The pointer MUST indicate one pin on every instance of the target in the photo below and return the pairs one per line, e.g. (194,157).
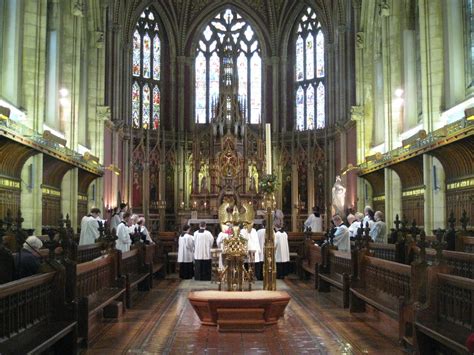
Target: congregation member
(341,235)
(353,224)
(261,240)
(223,235)
(378,232)
(27,261)
(253,243)
(115,219)
(203,241)
(90,227)
(123,209)
(143,230)
(186,253)
(124,241)
(368,217)
(282,252)
(314,222)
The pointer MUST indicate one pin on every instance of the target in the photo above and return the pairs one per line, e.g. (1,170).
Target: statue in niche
(153,190)
(338,197)
(137,190)
(252,187)
(204,187)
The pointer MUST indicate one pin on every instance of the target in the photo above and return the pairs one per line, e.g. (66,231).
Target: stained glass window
(228,30)
(309,73)
(146,71)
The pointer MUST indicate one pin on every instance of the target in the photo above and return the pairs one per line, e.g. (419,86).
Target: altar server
(123,234)
(186,253)
(90,227)
(314,221)
(251,235)
(341,235)
(282,252)
(203,241)
(261,241)
(220,242)
(115,219)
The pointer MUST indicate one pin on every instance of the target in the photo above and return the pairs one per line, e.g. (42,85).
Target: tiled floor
(163,322)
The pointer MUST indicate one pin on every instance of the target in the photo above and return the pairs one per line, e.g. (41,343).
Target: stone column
(69,193)
(31,199)
(393,196)
(276,99)
(294,196)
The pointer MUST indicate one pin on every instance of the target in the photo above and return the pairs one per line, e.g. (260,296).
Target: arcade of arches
(174,106)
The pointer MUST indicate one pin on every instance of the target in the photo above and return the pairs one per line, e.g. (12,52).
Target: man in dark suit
(27,261)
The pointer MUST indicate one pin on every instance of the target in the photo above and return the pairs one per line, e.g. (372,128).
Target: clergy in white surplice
(282,252)
(124,241)
(261,241)
(90,227)
(341,236)
(227,233)
(251,235)
(203,241)
(186,253)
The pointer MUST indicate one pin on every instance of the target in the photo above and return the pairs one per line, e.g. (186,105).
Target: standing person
(314,221)
(133,228)
(261,240)
(354,225)
(341,235)
(123,241)
(203,241)
(251,235)
(142,229)
(115,219)
(90,228)
(220,242)
(379,231)
(368,217)
(123,209)
(27,262)
(186,253)
(282,252)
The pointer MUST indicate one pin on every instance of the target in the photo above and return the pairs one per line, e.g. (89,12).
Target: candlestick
(268,147)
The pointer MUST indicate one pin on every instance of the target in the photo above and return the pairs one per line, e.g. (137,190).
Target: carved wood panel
(51,210)
(459,200)
(413,208)
(9,200)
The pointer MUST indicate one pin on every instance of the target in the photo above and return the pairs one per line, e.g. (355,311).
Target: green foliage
(268,184)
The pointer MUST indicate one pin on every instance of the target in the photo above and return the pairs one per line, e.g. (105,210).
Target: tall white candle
(268,148)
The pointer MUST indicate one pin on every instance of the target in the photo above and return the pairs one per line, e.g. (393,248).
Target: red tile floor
(163,322)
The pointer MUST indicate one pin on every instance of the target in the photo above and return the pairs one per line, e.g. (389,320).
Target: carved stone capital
(103,113)
(98,39)
(78,8)
(384,10)
(357,113)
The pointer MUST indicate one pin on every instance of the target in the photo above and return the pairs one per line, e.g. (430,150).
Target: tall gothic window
(469,24)
(146,71)
(309,73)
(228,29)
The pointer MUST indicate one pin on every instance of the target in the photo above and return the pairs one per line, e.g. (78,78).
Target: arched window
(228,29)
(146,71)
(309,73)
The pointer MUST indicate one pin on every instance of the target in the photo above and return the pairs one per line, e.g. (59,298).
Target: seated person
(378,232)
(27,261)
(341,235)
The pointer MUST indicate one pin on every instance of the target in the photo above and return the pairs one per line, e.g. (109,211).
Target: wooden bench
(465,244)
(136,272)
(34,317)
(462,264)
(386,286)
(97,286)
(449,318)
(152,257)
(383,251)
(88,252)
(336,271)
(314,259)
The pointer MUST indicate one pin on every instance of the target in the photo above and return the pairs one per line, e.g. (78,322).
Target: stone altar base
(246,311)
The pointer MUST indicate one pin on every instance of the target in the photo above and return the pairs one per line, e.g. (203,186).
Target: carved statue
(338,197)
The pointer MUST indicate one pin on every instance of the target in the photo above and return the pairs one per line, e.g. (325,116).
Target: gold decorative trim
(414,192)
(461,184)
(50,191)
(82,198)
(5,182)
(379,198)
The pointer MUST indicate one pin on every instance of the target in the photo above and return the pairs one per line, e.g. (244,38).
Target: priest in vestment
(220,242)
(90,228)
(203,241)
(261,241)
(251,235)
(282,252)
(186,253)
(341,236)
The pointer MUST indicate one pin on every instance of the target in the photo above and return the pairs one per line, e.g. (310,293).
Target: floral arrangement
(268,184)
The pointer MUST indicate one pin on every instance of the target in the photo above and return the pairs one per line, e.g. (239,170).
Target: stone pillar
(31,194)
(69,193)
(393,196)
(311,184)
(294,196)
(275,95)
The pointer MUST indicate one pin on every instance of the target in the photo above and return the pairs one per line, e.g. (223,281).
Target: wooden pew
(337,271)
(97,286)
(449,318)
(88,252)
(312,262)
(383,251)
(465,244)
(136,272)
(168,241)
(462,264)
(34,317)
(152,257)
(386,286)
